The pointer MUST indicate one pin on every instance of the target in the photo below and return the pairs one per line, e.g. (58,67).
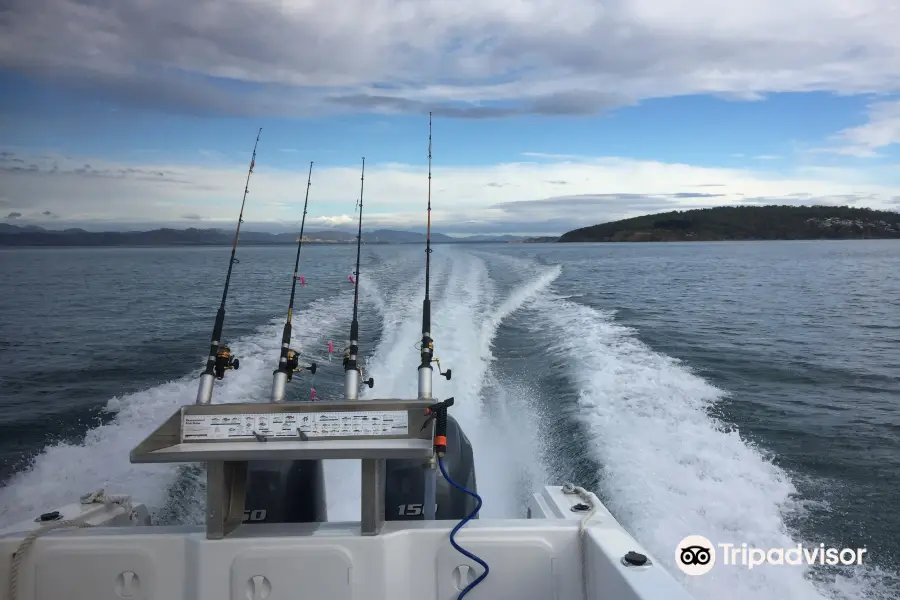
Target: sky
(548,114)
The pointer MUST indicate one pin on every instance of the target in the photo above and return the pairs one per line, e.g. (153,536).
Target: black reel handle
(293,365)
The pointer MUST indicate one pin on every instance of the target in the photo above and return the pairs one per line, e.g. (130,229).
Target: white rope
(18,557)
(101,497)
(585,496)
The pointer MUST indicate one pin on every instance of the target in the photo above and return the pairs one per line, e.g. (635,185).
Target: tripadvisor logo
(696,555)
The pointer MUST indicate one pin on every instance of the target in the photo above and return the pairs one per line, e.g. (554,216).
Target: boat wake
(667,469)
(465,320)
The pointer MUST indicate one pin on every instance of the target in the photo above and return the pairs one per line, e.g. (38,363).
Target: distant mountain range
(32,235)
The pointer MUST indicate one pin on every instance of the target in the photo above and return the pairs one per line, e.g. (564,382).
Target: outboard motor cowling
(405,482)
(285,492)
(294,491)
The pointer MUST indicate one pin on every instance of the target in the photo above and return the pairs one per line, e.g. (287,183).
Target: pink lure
(312,394)
(351,278)
(302,280)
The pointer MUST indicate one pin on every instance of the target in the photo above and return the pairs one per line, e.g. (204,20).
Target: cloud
(339,221)
(547,156)
(537,196)
(14,215)
(533,56)
(569,102)
(696,195)
(881,130)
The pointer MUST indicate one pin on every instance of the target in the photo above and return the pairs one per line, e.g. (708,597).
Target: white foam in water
(62,472)
(669,469)
(467,323)
(518,419)
(464,322)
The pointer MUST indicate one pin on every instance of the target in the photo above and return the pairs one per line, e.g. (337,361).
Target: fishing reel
(346,362)
(428,357)
(225,361)
(293,365)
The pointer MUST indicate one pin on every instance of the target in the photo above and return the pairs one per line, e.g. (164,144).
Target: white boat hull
(537,558)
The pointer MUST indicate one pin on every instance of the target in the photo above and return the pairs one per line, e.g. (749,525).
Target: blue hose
(459,526)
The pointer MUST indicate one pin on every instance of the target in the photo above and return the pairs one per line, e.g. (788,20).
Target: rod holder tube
(279,387)
(425,377)
(204,393)
(351,384)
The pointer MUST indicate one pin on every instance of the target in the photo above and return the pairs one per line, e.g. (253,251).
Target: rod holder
(204,393)
(425,382)
(279,386)
(351,384)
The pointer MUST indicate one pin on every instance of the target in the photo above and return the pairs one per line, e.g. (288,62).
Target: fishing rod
(220,358)
(427,350)
(427,353)
(288,362)
(352,370)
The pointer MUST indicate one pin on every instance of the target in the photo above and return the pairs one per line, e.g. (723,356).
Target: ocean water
(747,392)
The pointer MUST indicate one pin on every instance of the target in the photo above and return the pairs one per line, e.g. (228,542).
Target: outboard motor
(285,492)
(294,491)
(405,482)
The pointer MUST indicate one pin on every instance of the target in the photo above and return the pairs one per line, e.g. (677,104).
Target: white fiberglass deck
(530,559)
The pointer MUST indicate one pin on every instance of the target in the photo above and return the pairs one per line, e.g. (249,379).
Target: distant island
(12,235)
(746,223)
(546,239)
